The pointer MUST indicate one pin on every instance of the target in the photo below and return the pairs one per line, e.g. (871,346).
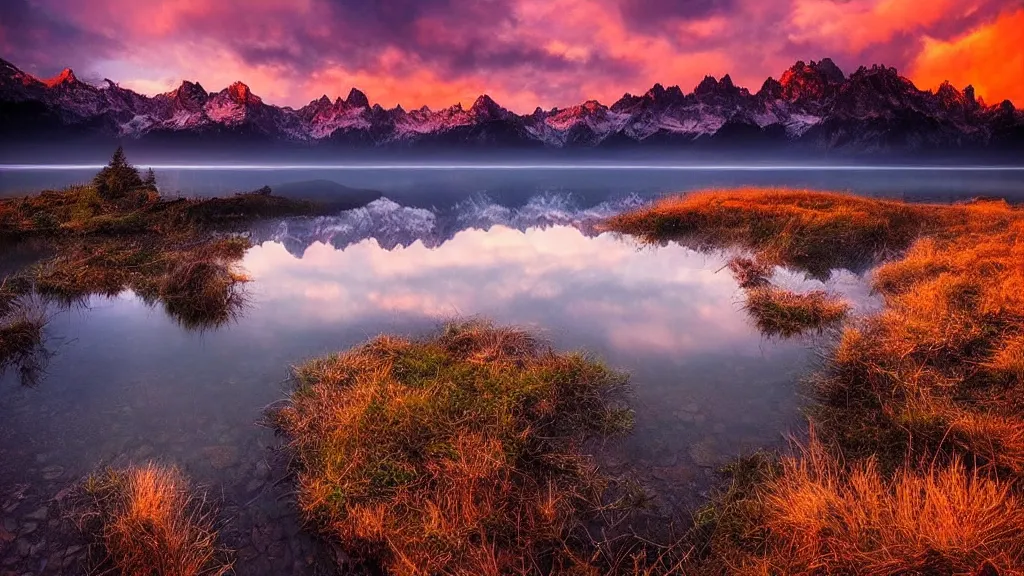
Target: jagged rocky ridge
(812,105)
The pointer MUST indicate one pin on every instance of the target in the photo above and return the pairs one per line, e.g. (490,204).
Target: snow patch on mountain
(873,109)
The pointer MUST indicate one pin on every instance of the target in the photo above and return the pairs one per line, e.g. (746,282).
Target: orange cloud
(524,53)
(855,25)
(989,57)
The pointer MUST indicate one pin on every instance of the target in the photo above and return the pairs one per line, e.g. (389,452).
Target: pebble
(72,550)
(39,514)
(53,472)
(692,408)
(260,540)
(254,485)
(704,453)
(262,469)
(6,536)
(222,456)
(64,493)
(28,528)
(248,553)
(10,524)
(24,546)
(37,548)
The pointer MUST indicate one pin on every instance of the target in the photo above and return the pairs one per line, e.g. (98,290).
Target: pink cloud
(524,53)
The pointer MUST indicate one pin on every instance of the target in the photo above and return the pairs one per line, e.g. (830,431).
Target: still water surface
(127,384)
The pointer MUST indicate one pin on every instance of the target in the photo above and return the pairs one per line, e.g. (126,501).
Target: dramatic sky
(523,53)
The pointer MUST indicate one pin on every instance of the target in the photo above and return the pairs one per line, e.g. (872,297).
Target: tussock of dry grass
(131,238)
(940,366)
(461,453)
(20,340)
(149,520)
(813,515)
(779,312)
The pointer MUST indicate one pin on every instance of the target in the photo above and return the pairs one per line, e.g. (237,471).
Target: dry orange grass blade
(149,520)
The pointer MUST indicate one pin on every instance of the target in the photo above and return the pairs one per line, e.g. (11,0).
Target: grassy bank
(117,233)
(149,520)
(814,231)
(81,211)
(461,453)
(918,460)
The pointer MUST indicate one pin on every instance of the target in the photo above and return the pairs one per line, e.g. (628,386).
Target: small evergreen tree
(150,180)
(117,178)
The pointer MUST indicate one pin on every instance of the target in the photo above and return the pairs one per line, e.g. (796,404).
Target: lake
(126,383)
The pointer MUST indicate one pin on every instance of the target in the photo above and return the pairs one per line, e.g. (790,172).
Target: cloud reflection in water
(634,300)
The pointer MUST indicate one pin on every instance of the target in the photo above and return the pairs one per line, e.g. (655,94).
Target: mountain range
(813,106)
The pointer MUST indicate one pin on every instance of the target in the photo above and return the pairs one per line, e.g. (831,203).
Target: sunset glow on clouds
(524,53)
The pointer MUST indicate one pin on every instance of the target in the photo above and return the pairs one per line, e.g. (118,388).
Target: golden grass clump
(813,515)
(149,520)
(779,312)
(461,453)
(937,371)
(169,250)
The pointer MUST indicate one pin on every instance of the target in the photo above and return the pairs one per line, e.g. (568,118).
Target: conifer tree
(117,178)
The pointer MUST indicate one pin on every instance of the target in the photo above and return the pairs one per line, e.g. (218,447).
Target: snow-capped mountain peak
(813,105)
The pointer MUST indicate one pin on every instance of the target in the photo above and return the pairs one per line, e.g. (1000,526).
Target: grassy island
(461,453)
